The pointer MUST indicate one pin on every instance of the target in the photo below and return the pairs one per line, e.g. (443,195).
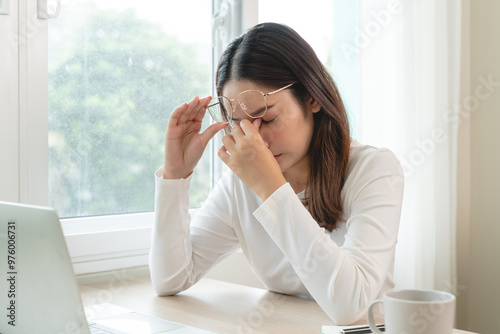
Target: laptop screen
(38,292)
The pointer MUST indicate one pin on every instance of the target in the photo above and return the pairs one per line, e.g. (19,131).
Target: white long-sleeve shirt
(343,270)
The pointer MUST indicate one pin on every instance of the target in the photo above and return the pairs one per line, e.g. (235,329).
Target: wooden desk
(213,305)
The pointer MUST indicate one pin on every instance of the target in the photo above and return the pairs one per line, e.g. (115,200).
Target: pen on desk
(361,330)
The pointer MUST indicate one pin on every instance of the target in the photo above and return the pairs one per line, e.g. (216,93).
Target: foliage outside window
(114,78)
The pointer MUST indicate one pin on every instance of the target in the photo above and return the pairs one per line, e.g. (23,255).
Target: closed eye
(271,115)
(268,121)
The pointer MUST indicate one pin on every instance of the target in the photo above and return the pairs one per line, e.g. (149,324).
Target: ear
(314,106)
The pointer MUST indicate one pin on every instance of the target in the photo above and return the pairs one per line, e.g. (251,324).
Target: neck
(298,176)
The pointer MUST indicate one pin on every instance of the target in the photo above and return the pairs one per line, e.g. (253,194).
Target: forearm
(343,280)
(184,249)
(170,257)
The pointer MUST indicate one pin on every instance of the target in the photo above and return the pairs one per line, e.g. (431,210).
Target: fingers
(245,129)
(193,110)
(211,131)
(174,116)
(257,123)
(203,107)
(228,142)
(250,128)
(223,154)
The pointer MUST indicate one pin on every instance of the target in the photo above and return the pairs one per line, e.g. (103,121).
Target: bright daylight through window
(116,71)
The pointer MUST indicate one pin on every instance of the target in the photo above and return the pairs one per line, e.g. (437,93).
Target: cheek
(294,131)
(291,127)
(302,132)
(276,130)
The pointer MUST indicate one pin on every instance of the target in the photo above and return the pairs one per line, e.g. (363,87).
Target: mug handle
(371,319)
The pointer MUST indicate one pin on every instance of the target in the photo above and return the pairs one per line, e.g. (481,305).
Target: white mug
(415,312)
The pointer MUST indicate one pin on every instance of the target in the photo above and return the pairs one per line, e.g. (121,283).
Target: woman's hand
(184,144)
(246,154)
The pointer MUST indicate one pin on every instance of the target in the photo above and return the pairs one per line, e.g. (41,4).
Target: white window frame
(24,175)
(9,105)
(96,244)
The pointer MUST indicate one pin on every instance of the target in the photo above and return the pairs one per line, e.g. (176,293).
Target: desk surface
(213,305)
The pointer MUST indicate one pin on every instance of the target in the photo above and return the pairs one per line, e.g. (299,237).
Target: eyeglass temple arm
(279,90)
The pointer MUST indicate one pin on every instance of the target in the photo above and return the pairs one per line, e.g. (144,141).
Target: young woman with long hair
(314,212)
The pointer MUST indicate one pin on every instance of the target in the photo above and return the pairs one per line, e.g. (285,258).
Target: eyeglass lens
(220,109)
(249,105)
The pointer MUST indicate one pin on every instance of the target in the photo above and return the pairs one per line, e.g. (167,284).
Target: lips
(277,156)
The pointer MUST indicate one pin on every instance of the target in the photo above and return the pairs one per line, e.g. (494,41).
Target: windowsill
(113,275)
(109,243)
(108,223)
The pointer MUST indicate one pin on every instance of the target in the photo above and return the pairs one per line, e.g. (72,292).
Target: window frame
(96,244)
(9,106)
(25,179)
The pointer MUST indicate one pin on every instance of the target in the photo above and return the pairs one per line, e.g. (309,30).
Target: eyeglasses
(253,104)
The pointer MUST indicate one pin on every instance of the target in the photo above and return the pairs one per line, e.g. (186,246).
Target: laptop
(39,292)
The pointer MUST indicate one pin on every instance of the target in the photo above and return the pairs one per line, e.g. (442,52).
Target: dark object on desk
(361,330)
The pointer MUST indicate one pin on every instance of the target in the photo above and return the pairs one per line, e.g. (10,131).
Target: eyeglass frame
(233,107)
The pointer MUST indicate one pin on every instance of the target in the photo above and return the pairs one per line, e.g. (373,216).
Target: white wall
(478,234)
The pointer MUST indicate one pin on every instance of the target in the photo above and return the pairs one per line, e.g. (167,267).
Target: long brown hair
(275,55)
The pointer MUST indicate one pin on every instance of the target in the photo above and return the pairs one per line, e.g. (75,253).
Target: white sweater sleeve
(182,251)
(343,280)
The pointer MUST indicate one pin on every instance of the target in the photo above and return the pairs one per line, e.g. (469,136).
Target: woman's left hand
(248,156)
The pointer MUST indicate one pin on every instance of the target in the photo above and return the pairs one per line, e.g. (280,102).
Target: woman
(314,212)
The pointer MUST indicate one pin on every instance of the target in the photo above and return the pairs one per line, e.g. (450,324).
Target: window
(116,71)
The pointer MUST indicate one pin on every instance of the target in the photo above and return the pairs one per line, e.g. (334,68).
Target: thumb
(211,131)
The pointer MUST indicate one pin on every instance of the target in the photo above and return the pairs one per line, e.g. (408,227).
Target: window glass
(116,70)
(330,27)
(312,19)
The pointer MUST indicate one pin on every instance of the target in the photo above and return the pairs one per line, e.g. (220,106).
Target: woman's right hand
(184,144)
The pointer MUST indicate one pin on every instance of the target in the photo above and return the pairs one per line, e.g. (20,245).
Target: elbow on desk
(168,286)
(168,283)
(160,293)
(163,288)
